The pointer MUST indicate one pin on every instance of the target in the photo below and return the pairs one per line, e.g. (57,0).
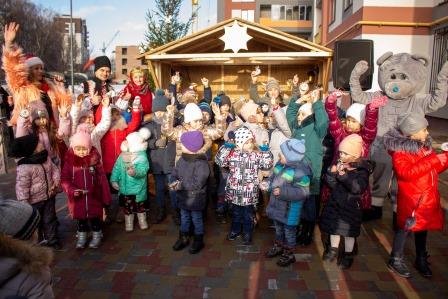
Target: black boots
(198,244)
(422,264)
(287,258)
(373,213)
(305,233)
(347,260)
(397,264)
(330,254)
(276,250)
(182,242)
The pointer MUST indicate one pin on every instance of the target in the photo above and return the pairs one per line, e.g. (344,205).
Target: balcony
(286,23)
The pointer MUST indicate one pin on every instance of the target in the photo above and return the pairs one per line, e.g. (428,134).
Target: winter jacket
(86,174)
(313,129)
(243,180)
(37,178)
(99,130)
(162,159)
(24,269)
(417,169)
(280,134)
(210,133)
(111,141)
(192,171)
(294,182)
(144,93)
(342,215)
(24,91)
(96,86)
(132,185)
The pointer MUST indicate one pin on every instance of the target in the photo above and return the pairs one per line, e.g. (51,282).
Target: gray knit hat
(272,83)
(409,124)
(18,219)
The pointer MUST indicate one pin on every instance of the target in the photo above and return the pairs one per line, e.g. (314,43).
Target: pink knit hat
(248,109)
(81,139)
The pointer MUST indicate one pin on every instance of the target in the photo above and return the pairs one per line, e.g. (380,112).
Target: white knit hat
(32,61)
(242,134)
(192,113)
(136,141)
(357,111)
(307,108)
(248,109)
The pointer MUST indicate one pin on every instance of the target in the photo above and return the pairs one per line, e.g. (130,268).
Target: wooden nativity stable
(279,55)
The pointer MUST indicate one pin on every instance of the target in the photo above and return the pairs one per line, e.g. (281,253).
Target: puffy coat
(417,169)
(342,215)
(313,129)
(280,134)
(192,171)
(36,177)
(294,183)
(162,159)
(339,132)
(132,185)
(111,141)
(86,174)
(25,269)
(243,181)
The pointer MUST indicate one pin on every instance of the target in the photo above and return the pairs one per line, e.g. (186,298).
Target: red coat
(87,174)
(111,141)
(144,93)
(417,170)
(338,132)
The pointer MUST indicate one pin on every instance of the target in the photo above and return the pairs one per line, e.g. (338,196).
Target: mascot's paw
(361,67)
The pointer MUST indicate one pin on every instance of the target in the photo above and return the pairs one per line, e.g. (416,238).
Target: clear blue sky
(104,18)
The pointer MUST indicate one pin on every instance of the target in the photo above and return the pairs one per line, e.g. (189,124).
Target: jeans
(161,181)
(400,241)
(188,216)
(48,226)
(244,215)
(95,224)
(286,234)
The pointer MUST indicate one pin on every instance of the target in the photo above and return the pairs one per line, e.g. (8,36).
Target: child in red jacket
(416,167)
(85,183)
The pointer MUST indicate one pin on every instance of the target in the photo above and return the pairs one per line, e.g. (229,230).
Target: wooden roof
(266,44)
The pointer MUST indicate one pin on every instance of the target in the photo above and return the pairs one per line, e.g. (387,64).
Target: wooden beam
(327,74)
(237,55)
(153,74)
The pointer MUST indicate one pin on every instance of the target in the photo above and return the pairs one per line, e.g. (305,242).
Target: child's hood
(394,141)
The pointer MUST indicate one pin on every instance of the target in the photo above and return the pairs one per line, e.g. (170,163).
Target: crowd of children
(245,158)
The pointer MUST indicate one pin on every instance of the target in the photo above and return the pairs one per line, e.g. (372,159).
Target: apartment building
(125,61)
(80,39)
(419,27)
(291,16)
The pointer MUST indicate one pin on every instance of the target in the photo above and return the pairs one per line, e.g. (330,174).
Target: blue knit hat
(204,106)
(293,150)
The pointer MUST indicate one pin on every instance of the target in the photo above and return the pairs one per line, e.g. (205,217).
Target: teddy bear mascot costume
(400,77)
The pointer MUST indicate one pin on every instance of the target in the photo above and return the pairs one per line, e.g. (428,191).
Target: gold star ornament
(235,37)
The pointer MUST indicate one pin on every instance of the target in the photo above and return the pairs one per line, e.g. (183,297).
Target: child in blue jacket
(289,185)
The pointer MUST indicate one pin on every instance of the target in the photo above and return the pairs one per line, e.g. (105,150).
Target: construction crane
(103,49)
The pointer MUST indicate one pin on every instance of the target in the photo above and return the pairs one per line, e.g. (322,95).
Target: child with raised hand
(342,215)
(190,182)
(417,168)
(289,186)
(244,161)
(38,180)
(85,183)
(129,177)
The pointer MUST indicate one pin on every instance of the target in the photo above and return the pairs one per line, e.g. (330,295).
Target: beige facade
(125,61)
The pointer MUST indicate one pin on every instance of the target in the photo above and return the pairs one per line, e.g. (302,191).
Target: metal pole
(71,48)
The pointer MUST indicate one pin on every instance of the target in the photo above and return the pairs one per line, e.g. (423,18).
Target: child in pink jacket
(38,179)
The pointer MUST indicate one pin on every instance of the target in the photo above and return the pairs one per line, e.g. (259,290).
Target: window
(302,12)
(332,11)
(124,51)
(347,3)
(124,61)
(265,11)
(288,12)
(243,14)
(309,10)
(124,71)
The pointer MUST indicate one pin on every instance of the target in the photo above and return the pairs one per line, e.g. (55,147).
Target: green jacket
(136,185)
(313,129)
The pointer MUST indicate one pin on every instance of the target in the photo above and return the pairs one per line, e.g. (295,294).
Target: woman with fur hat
(308,120)
(129,177)
(85,183)
(289,186)
(190,183)
(417,168)
(342,215)
(26,80)
(138,86)
(245,161)
(24,267)
(37,182)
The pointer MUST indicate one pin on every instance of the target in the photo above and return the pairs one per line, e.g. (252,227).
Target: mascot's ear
(384,57)
(422,58)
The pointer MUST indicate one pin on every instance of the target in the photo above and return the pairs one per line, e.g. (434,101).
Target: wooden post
(153,74)
(327,66)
